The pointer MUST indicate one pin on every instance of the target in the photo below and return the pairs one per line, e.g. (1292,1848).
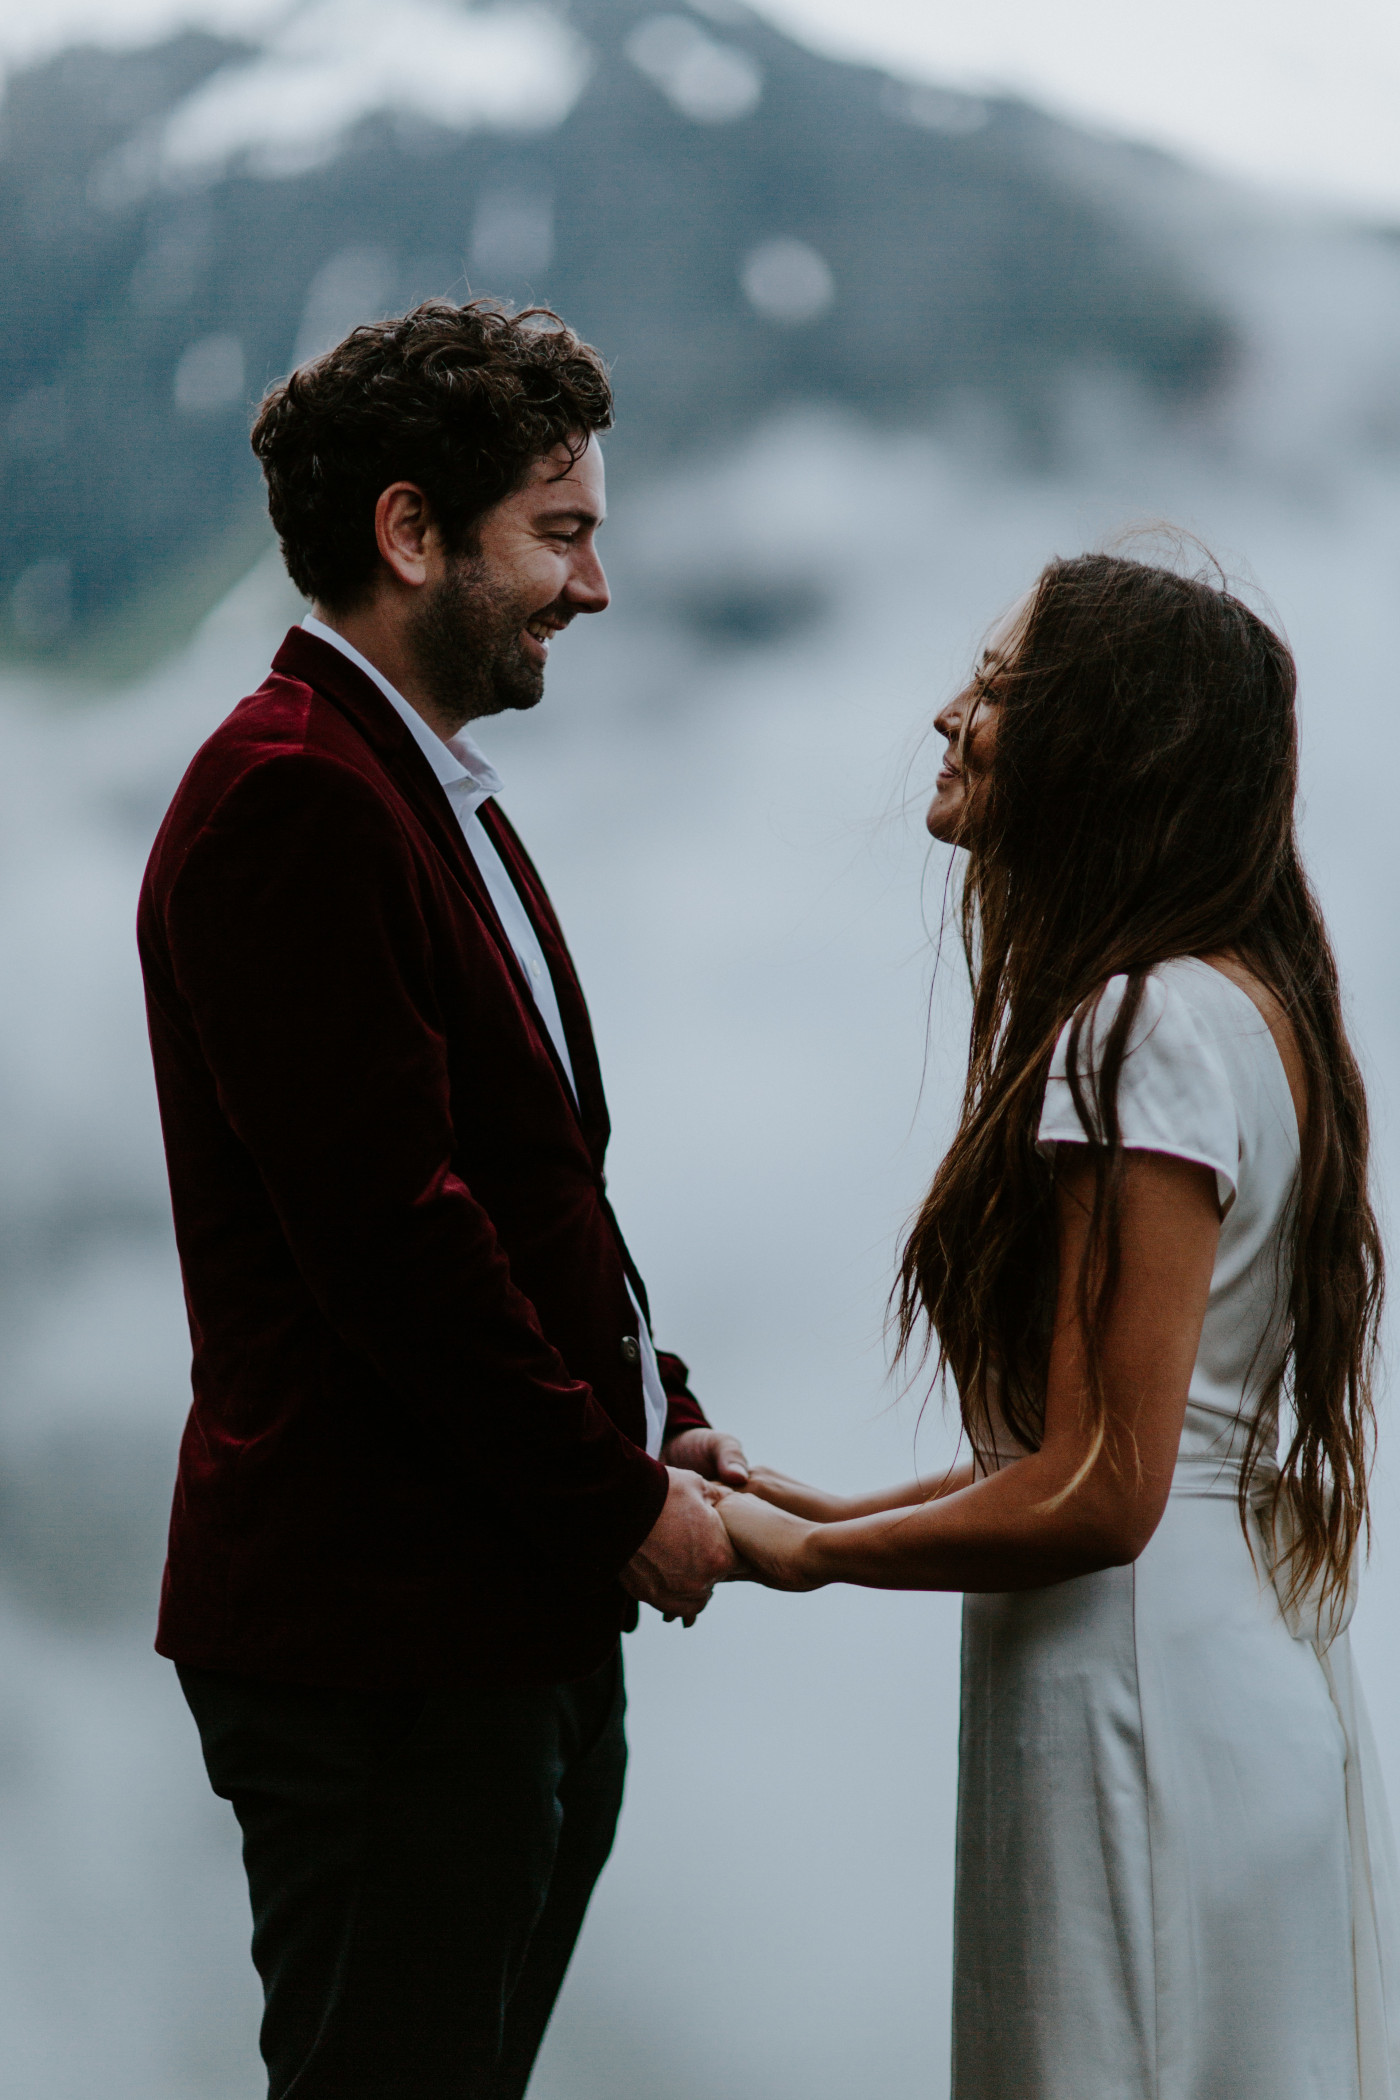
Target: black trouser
(419,1865)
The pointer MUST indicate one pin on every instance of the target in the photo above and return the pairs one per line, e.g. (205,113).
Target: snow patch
(331,64)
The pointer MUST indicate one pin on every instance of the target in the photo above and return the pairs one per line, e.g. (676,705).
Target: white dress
(1175,1876)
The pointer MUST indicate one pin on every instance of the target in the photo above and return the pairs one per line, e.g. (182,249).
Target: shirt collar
(457,761)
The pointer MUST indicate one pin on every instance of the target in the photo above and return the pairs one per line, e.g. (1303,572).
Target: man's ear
(403,528)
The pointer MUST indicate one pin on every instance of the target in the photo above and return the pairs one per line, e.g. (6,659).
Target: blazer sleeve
(683,1410)
(297,942)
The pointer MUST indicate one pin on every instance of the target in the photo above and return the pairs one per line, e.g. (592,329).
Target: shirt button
(534,969)
(631,1349)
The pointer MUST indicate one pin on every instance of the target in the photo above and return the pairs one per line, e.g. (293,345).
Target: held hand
(774,1547)
(683,1556)
(711,1453)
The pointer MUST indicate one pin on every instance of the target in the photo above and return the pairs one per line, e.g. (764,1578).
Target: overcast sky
(1303,94)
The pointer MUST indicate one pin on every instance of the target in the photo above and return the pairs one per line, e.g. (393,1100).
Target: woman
(1151,1230)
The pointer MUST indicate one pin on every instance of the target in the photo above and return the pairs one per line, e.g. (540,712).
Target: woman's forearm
(818,1506)
(912,1494)
(1003,1532)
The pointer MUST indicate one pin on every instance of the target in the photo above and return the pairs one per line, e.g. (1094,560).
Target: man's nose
(588,587)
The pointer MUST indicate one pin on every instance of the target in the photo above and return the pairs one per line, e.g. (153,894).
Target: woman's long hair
(1139,805)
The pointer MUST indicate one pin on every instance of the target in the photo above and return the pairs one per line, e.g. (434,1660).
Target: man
(433,1456)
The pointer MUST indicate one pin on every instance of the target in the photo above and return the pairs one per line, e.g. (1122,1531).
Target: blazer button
(631,1349)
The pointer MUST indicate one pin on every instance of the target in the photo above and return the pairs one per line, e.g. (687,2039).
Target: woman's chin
(944,816)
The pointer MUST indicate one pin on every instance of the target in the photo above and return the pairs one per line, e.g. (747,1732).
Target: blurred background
(899,303)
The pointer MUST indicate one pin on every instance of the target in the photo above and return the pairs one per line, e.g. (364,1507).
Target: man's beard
(466,645)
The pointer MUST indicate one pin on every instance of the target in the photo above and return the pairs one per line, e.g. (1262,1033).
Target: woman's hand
(772,1545)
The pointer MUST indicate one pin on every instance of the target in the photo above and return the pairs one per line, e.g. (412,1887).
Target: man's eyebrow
(585,514)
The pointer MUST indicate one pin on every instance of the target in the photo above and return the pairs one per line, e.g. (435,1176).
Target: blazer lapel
(573,1012)
(573,1009)
(315,663)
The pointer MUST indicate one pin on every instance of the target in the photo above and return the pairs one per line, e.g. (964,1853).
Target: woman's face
(969,722)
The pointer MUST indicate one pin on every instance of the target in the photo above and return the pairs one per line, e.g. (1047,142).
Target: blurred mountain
(738,223)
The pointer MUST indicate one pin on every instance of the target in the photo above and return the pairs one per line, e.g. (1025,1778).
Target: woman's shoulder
(1176,1004)
(1225,1013)
(1170,991)
(1174,1090)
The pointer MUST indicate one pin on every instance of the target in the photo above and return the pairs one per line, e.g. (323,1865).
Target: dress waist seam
(1207,1478)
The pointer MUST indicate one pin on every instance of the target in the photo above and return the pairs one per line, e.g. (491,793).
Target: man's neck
(381,640)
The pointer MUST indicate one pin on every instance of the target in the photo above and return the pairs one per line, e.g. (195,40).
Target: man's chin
(518,681)
(504,696)
(515,696)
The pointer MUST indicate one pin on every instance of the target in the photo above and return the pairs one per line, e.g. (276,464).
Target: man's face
(482,630)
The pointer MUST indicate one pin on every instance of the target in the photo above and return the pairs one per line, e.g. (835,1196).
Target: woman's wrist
(814,1558)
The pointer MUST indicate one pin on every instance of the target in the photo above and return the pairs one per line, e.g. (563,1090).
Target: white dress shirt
(468,778)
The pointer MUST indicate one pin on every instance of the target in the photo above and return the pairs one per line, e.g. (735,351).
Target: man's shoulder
(285,719)
(286,743)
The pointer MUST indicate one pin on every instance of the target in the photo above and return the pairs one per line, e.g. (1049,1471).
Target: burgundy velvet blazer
(416,1450)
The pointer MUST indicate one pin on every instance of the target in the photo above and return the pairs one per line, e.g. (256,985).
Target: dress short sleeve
(1173,1092)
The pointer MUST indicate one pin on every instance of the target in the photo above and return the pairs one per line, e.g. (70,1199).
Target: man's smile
(541,631)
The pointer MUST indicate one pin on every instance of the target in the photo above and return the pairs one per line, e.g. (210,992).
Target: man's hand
(683,1556)
(710,1453)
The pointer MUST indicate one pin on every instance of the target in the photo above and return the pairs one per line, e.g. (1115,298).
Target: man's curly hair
(460,400)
